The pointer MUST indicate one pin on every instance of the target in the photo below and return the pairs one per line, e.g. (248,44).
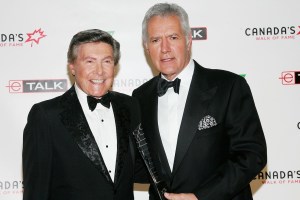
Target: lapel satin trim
(122,119)
(151,101)
(74,120)
(197,102)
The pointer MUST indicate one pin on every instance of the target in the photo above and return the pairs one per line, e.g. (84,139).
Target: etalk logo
(199,33)
(290,77)
(37,86)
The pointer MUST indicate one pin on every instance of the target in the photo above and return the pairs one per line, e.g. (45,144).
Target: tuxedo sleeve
(140,171)
(247,147)
(37,155)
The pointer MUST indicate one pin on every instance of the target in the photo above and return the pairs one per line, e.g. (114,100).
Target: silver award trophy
(160,185)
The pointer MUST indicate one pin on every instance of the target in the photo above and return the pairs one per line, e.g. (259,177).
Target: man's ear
(71,68)
(146,48)
(189,43)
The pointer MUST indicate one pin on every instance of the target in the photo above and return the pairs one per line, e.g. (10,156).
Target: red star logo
(299,31)
(35,36)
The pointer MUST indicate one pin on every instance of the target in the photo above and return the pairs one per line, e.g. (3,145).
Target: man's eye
(108,61)
(154,40)
(174,37)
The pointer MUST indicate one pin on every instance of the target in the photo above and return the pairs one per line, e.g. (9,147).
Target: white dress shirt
(170,111)
(102,124)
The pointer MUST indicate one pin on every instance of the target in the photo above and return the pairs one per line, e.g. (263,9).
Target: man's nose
(99,68)
(165,46)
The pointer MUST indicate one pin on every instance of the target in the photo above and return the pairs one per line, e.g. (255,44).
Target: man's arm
(247,147)
(36,156)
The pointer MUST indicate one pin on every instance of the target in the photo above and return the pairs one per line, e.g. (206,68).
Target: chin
(96,93)
(168,72)
(168,69)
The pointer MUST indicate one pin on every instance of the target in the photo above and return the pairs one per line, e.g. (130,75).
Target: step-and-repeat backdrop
(259,40)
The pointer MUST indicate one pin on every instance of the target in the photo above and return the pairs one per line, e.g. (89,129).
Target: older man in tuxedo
(79,145)
(201,124)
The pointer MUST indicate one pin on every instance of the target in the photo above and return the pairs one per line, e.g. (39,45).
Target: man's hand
(181,196)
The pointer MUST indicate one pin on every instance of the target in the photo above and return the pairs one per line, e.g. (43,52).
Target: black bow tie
(163,85)
(105,101)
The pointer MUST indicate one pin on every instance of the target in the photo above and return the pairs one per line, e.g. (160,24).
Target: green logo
(111,32)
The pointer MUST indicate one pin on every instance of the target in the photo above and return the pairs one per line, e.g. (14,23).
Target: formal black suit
(215,162)
(61,160)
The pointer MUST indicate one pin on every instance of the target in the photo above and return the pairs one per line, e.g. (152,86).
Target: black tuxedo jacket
(61,160)
(215,160)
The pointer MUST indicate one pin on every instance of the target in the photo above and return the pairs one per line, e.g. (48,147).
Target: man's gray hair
(166,9)
(90,36)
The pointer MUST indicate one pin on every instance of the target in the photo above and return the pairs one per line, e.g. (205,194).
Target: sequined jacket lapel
(74,120)
(122,119)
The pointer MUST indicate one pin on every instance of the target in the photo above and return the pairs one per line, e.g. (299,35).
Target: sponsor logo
(290,77)
(35,36)
(127,85)
(11,187)
(273,33)
(199,33)
(279,177)
(111,32)
(37,86)
(298,125)
(21,39)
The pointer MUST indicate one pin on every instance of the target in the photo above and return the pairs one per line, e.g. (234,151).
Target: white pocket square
(207,122)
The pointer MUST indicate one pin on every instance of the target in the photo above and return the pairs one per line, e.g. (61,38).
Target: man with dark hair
(201,124)
(79,145)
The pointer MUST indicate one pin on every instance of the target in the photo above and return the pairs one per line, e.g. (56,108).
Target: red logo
(15,86)
(35,36)
(290,77)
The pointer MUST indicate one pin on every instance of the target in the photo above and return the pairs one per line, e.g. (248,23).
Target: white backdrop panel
(231,44)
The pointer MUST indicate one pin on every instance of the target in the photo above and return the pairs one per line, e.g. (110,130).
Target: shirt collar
(185,75)
(82,96)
